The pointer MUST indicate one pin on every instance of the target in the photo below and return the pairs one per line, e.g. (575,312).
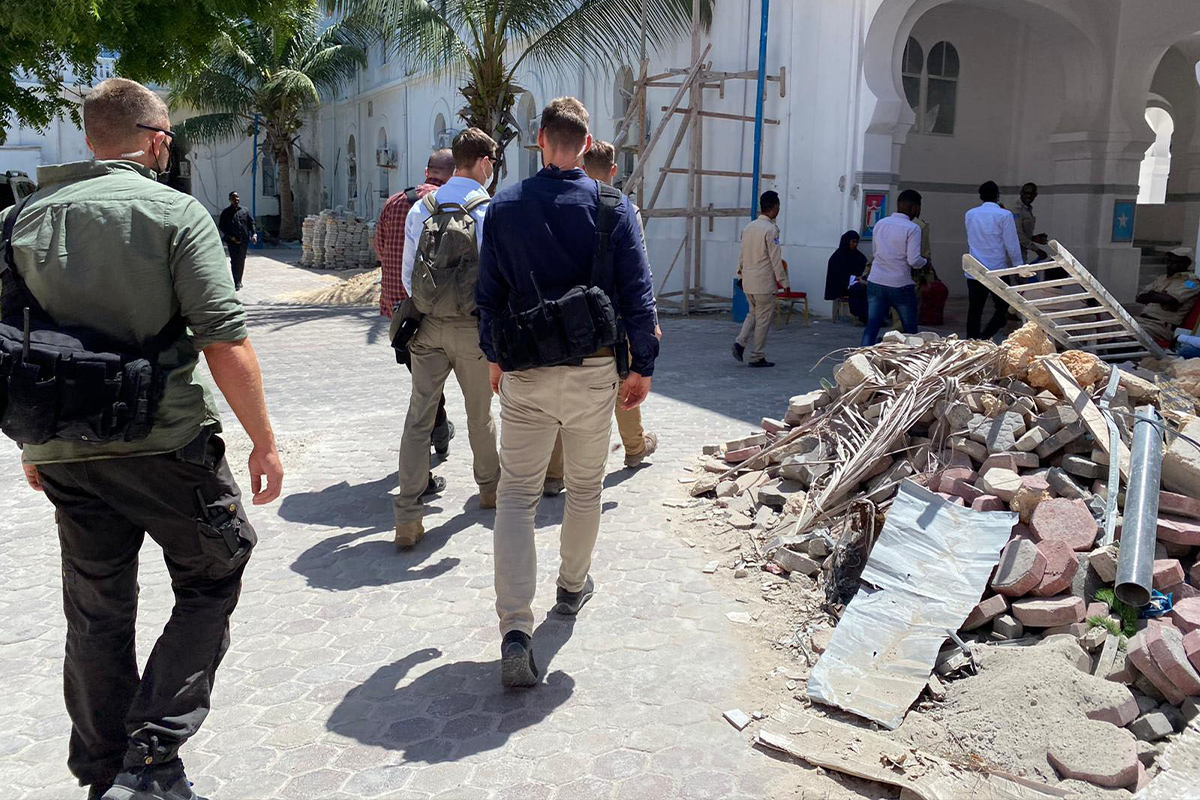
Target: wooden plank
(722,115)
(662,177)
(1091,416)
(718,173)
(640,169)
(1062,298)
(1025,269)
(1026,287)
(1076,312)
(1108,323)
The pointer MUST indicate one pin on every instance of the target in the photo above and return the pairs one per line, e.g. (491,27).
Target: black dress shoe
(762,362)
(569,603)
(738,351)
(441,439)
(517,668)
(156,782)
(436,485)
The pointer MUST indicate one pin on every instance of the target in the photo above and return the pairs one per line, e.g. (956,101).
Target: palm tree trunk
(287,210)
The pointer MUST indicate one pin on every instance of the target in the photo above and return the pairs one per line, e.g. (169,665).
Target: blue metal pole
(758,108)
(254,180)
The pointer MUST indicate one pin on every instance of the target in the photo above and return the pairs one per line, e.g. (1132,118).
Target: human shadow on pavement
(354,560)
(454,710)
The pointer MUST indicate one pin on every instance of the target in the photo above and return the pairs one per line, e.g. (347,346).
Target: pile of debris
(337,240)
(991,476)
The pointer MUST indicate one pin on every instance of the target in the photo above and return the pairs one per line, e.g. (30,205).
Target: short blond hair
(601,158)
(113,110)
(471,145)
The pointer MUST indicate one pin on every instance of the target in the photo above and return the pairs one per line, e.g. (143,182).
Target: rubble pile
(1017,428)
(337,240)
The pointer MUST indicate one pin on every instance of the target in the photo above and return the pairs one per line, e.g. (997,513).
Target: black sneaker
(441,439)
(517,669)
(738,351)
(436,485)
(96,791)
(569,603)
(762,362)
(156,782)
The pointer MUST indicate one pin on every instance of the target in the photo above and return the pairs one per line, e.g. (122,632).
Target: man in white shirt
(897,245)
(448,338)
(992,240)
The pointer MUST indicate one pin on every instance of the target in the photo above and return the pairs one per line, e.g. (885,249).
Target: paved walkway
(357,672)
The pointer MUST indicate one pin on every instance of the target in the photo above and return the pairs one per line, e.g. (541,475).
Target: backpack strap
(14,287)
(608,200)
(411,195)
(471,205)
(430,202)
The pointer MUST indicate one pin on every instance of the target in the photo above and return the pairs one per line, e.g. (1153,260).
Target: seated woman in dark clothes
(846,262)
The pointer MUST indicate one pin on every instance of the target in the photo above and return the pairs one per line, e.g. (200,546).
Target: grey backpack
(446,265)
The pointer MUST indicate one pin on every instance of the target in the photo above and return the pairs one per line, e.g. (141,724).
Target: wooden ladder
(1076,310)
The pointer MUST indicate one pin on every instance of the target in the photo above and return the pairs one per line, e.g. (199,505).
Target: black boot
(154,782)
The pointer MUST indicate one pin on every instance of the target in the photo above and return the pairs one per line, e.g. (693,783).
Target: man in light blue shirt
(992,240)
(897,244)
(447,341)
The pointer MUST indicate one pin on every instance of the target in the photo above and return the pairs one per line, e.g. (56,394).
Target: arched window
(439,130)
(351,175)
(1156,166)
(912,66)
(527,119)
(941,88)
(622,105)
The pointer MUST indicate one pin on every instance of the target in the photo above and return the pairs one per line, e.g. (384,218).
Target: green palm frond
(209,129)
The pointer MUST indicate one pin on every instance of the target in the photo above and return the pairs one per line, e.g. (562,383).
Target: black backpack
(66,383)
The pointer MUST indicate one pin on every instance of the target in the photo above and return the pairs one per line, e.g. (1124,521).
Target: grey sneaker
(553,487)
(155,782)
(651,444)
(517,668)
(569,603)
(441,440)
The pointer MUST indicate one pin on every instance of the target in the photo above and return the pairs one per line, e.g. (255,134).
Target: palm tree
(269,76)
(488,41)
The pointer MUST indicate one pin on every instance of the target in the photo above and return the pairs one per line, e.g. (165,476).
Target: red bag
(933,302)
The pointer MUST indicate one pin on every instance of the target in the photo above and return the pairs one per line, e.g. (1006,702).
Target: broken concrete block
(1170,655)
(969,447)
(1033,492)
(703,485)
(1074,631)
(1093,639)
(1065,520)
(884,486)
(1064,485)
(1057,417)
(1045,400)
(737,718)
(1037,612)
(1002,483)
(772,425)
(1186,614)
(1009,461)
(1190,709)
(1030,440)
(968,492)
(1179,505)
(746,453)
(1058,441)
(727,489)
(1061,564)
(1084,468)
(1151,727)
(1177,530)
(1139,655)
(988,502)
(1167,572)
(952,498)
(855,371)
(1099,753)
(1181,462)
(1007,627)
(1097,609)
(1191,646)
(778,493)
(796,562)
(1004,431)
(756,440)
(984,612)
(1020,569)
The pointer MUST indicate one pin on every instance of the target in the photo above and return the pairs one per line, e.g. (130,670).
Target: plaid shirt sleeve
(389,242)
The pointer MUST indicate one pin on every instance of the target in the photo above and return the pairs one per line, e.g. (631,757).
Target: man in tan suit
(761,271)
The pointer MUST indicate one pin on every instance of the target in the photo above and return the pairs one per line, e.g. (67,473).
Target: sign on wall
(874,209)
(1122,223)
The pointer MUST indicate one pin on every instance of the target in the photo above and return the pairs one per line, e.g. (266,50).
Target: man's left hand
(32,477)
(634,390)
(494,374)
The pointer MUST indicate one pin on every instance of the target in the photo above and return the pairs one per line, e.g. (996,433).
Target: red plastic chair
(790,298)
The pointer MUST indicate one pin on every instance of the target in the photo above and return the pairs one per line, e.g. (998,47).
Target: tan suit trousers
(536,406)
(757,325)
(629,425)
(442,346)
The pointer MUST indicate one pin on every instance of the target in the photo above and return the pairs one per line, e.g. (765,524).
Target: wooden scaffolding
(689,106)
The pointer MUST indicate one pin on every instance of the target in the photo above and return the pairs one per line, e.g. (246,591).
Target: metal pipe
(758,109)
(1135,566)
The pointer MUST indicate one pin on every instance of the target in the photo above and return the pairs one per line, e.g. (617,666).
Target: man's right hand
(634,390)
(494,375)
(32,477)
(265,463)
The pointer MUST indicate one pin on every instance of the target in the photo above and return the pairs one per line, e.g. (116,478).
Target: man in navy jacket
(544,229)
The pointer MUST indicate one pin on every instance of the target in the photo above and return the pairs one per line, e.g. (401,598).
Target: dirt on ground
(344,289)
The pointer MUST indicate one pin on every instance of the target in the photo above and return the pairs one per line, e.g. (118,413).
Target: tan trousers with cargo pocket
(536,406)
(442,346)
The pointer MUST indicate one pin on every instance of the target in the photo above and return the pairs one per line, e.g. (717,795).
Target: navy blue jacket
(546,225)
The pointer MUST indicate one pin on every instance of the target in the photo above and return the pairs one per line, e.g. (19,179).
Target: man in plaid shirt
(389,246)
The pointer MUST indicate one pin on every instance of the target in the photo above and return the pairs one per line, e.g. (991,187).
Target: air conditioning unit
(444,138)
(386,157)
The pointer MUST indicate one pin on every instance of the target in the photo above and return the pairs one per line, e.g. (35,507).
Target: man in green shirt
(103,246)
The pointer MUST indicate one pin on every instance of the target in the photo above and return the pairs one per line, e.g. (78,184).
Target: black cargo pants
(191,507)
